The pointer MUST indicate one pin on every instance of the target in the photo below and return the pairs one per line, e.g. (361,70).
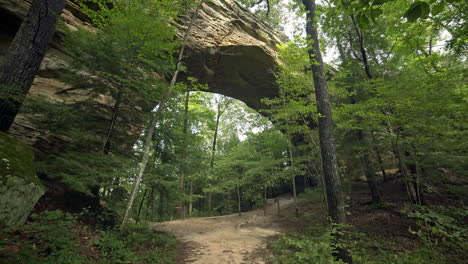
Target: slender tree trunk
(213,150)
(181,202)
(24,56)
(115,112)
(364,58)
(149,203)
(210,194)
(369,172)
(141,205)
(238,199)
(335,196)
(265,200)
(293,180)
(162,201)
(379,159)
(156,117)
(370,175)
(190,207)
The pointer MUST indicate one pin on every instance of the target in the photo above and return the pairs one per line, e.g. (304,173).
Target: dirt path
(230,239)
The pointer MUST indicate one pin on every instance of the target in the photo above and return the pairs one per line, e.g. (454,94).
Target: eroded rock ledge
(229,49)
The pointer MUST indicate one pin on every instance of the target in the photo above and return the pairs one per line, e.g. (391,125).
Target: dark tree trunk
(24,56)
(335,196)
(181,202)
(213,151)
(379,159)
(141,205)
(110,130)
(238,199)
(369,172)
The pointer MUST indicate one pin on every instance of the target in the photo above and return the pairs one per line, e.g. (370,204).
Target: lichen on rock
(20,188)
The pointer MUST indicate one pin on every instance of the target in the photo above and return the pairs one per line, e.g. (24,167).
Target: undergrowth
(57,237)
(441,234)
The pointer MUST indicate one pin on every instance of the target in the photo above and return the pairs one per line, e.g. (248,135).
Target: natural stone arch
(229,49)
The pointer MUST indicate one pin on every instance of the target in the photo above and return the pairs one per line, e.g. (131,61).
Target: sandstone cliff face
(234,52)
(229,49)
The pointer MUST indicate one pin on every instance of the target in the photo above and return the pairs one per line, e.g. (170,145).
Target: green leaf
(437,8)
(375,13)
(363,20)
(417,10)
(379,2)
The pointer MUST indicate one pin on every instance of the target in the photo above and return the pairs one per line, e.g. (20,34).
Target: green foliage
(130,243)
(57,237)
(53,117)
(418,9)
(441,226)
(52,237)
(131,52)
(311,247)
(83,170)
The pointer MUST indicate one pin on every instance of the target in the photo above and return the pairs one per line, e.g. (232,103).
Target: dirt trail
(230,239)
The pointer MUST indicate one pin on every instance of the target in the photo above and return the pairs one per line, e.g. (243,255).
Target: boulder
(20,188)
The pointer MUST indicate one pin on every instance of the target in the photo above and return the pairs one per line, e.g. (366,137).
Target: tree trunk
(190,207)
(115,112)
(213,150)
(369,172)
(293,181)
(335,197)
(181,202)
(141,205)
(24,56)
(238,199)
(155,119)
(379,160)
(210,194)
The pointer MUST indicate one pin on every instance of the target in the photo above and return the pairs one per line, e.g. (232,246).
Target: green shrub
(441,226)
(56,237)
(51,238)
(135,244)
(315,246)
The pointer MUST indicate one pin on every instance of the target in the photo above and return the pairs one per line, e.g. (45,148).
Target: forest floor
(229,239)
(245,239)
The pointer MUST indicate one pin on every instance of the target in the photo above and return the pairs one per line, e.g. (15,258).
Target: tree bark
(155,119)
(141,205)
(369,172)
(24,56)
(213,150)
(379,159)
(238,199)
(181,202)
(293,181)
(335,196)
(115,112)
(190,207)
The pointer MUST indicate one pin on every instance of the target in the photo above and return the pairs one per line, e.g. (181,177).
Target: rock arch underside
(229,49)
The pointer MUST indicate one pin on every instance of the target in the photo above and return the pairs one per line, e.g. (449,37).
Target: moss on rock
(19,186)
